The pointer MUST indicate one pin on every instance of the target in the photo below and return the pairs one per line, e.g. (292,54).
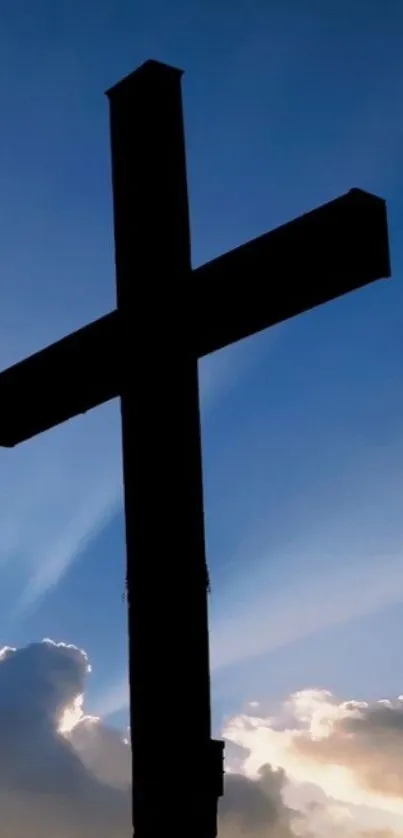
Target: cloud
(365,739)
(319,768)
(65,774)
(103,751)
(46,789)
(255,808)
(342,760)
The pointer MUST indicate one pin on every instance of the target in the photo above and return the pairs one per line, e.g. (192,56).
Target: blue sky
(287,105)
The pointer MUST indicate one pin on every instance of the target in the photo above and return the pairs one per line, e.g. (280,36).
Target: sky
(287,105)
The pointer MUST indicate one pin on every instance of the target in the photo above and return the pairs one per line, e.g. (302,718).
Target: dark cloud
(46,790)
(255,808)
(39,680)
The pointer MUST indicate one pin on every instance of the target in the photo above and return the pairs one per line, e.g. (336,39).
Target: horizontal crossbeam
(337,248)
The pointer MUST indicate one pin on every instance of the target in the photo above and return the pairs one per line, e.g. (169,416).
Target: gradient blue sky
(287,105)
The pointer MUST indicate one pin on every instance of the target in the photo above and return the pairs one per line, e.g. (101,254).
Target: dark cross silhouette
(146,352)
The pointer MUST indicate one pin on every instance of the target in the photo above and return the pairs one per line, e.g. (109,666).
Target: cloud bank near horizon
(318,767)
(47,789)
(340,760)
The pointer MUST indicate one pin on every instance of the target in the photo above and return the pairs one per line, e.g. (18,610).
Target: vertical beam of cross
(167,596)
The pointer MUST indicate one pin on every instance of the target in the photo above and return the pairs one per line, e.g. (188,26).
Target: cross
(146,352)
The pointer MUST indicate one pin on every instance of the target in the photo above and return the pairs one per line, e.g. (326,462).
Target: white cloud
(50,788)
(342,759)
